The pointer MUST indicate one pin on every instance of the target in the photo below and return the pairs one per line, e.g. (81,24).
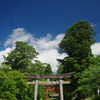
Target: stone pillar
(36,89)
(61,89)
(98,91)
(48,80)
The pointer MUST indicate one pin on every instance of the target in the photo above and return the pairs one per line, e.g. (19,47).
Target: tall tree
(76,43)
(21,57)
(39,68)
(13,86)
(90,78)
(48,70)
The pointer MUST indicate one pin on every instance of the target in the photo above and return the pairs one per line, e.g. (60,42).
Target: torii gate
(48,82)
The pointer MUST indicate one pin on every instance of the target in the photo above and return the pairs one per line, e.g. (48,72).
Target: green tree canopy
(48,70)
(21,57)
(78,39)
(13,85)
(77,44)
(38,67)
(90,78)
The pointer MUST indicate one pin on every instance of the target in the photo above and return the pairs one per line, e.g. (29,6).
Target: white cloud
(44,43)
(96,48)
(93,25)
(18,34)
(4,52)
(51,56)
(46,46)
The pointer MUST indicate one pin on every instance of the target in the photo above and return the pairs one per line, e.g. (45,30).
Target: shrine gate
(59,82)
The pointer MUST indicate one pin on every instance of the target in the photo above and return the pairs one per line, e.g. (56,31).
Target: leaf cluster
(77,45)
(21,57)
(12,84)
(90,78)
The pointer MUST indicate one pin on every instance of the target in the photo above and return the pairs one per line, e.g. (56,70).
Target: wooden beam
(67,75)
(50,82)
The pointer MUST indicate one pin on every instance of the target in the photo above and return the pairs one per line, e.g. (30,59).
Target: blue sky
(46,16)
(38,18)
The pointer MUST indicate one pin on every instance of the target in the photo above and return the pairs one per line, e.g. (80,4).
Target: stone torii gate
(60,82)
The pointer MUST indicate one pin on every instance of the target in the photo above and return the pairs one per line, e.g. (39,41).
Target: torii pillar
(36,89)
(61,89)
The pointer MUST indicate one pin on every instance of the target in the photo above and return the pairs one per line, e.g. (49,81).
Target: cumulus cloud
(51,56)
(46,46)
(48,42)
(18,34)
(4,52)
(96,48)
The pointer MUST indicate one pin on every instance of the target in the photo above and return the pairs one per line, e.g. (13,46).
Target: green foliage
(12,85)
(39,68)
(41,92)
(48,70)
(21,57)
(60,68)
(77,44)
(90,78)
(78,37)
(96,97)
(36,68)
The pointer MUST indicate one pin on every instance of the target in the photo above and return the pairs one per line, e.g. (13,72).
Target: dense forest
(76,43)
(13,84)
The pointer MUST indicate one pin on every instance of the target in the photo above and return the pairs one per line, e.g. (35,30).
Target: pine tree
(77,44)
(21,57)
